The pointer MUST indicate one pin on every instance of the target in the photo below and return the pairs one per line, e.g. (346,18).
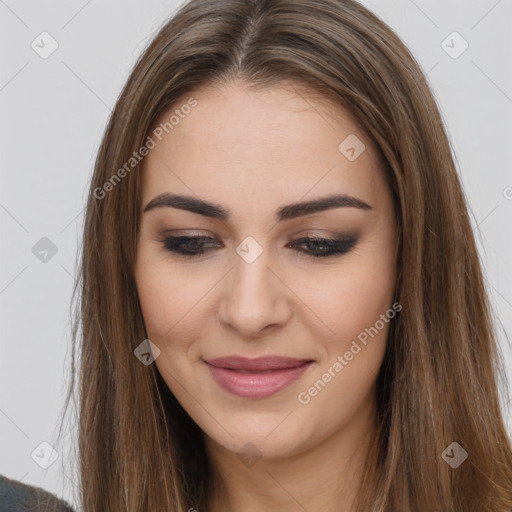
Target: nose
(254,298)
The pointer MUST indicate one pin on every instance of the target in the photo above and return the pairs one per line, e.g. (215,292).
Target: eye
(197,246)
(188,246)
(326,247)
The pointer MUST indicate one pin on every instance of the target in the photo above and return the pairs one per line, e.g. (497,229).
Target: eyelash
(335,247)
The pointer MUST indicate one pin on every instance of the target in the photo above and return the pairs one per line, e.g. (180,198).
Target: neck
(325,477)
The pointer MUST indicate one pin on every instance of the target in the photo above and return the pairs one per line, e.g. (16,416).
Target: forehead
(268,145)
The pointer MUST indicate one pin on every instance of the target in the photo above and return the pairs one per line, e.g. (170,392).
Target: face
(271,319)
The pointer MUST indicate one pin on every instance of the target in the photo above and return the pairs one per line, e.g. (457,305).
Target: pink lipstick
(256,378)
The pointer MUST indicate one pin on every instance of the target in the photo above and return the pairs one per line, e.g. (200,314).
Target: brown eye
(188,246)
(326,247)
(197,246)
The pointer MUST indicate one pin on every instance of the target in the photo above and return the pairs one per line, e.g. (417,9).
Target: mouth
(256,378)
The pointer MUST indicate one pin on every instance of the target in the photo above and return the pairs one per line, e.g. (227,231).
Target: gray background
(53,114)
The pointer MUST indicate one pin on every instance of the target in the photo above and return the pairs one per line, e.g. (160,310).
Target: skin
(284,148)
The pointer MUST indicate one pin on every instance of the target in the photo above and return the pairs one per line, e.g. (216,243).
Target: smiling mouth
(256,378)
(235,362)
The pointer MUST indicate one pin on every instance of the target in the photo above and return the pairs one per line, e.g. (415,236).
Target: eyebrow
(287,212)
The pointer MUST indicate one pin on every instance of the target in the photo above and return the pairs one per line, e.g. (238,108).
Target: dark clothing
(16,496)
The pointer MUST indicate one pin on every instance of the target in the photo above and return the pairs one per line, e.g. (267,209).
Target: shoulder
(16,496)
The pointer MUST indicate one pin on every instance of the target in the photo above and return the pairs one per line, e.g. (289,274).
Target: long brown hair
(138,450)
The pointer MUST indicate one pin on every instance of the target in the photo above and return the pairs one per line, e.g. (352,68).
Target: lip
(256,378)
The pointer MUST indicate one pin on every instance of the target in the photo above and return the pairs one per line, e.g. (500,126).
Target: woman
(281,304)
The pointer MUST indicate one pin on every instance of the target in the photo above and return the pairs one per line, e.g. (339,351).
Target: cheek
(356,304)
(359,312)
(157,299)
(354,297)
(162,294)
(367,296)
(170,304)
